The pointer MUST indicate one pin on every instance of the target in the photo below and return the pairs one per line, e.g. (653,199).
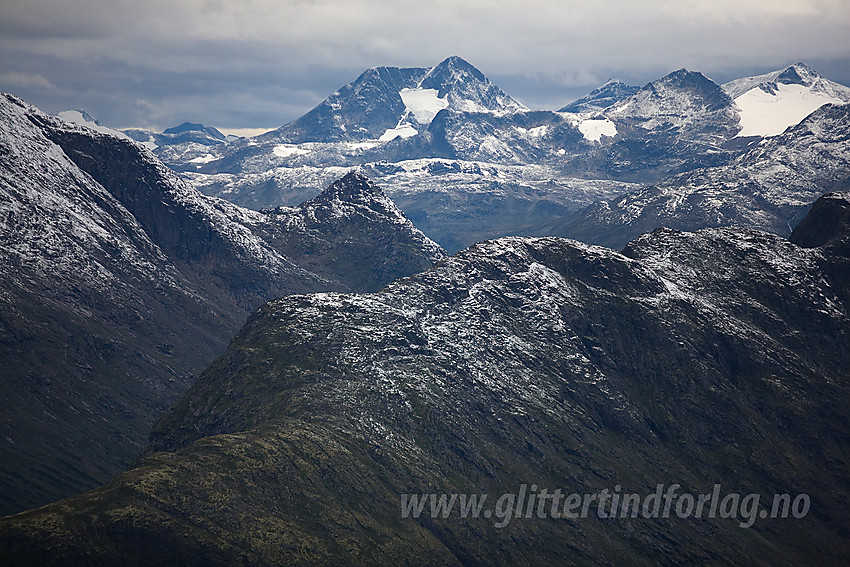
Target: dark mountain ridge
(120,282)
(713,357)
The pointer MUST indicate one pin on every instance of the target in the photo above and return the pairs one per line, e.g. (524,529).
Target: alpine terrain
(258,351)
(120,282)
(712,360)
(467,162)
(770,187)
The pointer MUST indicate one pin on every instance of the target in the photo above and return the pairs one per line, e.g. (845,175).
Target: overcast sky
(260,64)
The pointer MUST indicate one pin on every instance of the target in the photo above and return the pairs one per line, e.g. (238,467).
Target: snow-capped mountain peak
(798,73)
(385,103)
(684,100)
(466,88)
(772,102)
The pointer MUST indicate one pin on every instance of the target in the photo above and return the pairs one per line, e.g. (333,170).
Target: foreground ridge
(517,361)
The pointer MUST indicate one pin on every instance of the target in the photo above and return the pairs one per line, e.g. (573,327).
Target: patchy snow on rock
(360,145)
(594,128)
(769,114)
(532,133)
(424,104)
(287,150)
(403,131)
(203,159)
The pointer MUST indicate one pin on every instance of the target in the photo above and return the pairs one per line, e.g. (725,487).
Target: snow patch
(286,150)
(594,128)
(537,132)
(361,145)
(424,104)
(403,131)
(766,114)
(203,159)
(81,119)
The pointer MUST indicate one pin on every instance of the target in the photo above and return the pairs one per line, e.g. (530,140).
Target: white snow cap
(772,102)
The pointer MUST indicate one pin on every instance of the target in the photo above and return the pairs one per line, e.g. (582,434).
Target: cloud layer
(261,63)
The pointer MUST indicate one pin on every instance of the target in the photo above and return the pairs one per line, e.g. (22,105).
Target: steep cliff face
(101,329)
(715,357)
(827,227)
(206,235)
(120,282)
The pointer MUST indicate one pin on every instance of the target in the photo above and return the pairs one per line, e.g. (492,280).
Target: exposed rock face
(120,282)
(604,97)
(354,234)
(692,358)
(827,226)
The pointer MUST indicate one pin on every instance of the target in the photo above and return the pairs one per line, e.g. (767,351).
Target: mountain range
(254,350)
(770,187)
(120,282)
(716,357)
(447,133)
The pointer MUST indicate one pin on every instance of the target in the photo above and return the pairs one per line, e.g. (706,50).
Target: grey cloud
(263,63)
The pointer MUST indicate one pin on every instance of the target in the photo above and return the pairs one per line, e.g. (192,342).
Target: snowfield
(423,104)
(770,114)
(595,128)
(403,131)
(287,150)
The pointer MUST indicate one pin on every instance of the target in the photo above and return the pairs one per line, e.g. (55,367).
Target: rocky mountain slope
(119,282)
(770,187)
(686,103)
(714,357)
(601,98)
(351,233)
